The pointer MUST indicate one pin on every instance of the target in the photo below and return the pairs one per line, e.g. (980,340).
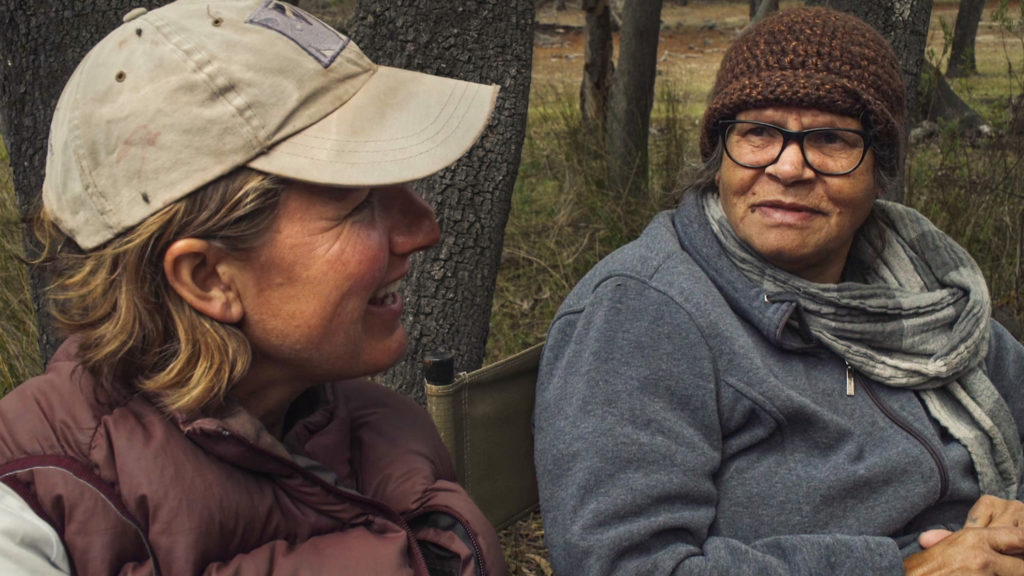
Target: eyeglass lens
(827,150)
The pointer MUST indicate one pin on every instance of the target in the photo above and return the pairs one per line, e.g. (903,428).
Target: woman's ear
(199,272)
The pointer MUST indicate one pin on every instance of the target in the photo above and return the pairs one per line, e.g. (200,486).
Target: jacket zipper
(380,507)
(478,552)
(906,427)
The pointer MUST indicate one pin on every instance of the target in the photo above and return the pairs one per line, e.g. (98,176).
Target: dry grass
(523,544)
(19,355)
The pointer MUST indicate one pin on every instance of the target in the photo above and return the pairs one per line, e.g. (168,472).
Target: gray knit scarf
(916,316)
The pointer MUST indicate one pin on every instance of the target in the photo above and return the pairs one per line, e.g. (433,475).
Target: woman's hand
(991,542)
(990,511)
(989,551)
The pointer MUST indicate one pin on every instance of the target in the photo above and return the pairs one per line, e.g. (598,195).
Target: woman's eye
(836,138)
(365,204)
(753,131)
(829,138)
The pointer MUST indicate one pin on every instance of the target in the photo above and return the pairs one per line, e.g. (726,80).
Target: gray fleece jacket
(682,427)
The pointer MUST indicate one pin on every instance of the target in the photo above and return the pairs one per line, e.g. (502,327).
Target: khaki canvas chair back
(484,418)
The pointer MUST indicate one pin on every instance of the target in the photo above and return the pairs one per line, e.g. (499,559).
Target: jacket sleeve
(628,445)
(28,545)
(1005,367)
(402,461)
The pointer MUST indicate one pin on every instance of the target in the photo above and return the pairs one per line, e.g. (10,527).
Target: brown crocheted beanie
(813,58)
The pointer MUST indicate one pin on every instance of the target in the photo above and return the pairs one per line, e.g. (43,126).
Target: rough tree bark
(40,45)
(632,96)
(597,62)
(448,293)
(961,57)
(905,24)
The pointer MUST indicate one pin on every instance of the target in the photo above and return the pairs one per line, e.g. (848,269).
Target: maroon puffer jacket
(364,486)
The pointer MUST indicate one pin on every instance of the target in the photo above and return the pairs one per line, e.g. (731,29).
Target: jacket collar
(769,315)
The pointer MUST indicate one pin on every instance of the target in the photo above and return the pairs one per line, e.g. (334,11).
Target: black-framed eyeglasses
(829,151)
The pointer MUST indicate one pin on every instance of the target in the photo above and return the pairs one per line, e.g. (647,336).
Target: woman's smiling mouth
(784,212)
(386,296)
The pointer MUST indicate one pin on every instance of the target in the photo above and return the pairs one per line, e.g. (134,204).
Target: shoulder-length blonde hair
(134,332)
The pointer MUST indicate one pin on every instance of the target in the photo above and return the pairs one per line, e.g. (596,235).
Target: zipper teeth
(477,551)
(932,451)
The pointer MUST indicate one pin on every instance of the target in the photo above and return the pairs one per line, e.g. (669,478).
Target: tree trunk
(632,96)
(905,24)
(961,57)
(40,45)
(449,291)
(597,62)
(943,103)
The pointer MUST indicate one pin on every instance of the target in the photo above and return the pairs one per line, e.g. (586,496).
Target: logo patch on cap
(319,40)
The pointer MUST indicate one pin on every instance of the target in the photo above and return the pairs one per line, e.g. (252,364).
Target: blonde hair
(133,329)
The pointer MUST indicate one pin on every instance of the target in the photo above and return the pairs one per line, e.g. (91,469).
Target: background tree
(448,293)
(961,56)
(632,96)
(40,45)
(905,24)
(598,66)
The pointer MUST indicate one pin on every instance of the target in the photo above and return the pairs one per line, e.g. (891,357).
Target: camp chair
(484,418)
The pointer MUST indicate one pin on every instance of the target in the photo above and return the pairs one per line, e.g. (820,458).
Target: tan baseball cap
(176,97)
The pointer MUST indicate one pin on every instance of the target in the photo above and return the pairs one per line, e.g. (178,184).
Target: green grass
(562,220)
(975,193)
(19,354)
(999,55)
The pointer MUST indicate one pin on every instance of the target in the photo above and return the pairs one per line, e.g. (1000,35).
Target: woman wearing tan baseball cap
(227,208)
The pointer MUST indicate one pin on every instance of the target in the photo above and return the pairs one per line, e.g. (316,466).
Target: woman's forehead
(802,116)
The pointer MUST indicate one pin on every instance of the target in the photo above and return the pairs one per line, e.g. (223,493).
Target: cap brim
(399,127)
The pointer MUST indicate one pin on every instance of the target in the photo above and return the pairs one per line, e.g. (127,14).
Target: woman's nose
(791,165)
(414,226)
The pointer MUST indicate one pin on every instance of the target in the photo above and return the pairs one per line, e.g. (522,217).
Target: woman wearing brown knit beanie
(786,374)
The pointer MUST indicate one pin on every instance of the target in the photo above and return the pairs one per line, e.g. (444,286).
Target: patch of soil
(692,42)
(693,39)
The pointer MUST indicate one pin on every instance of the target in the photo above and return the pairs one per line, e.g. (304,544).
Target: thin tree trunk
(40,45)
(449,291)
(598,66)
(629,116)
(961,57)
